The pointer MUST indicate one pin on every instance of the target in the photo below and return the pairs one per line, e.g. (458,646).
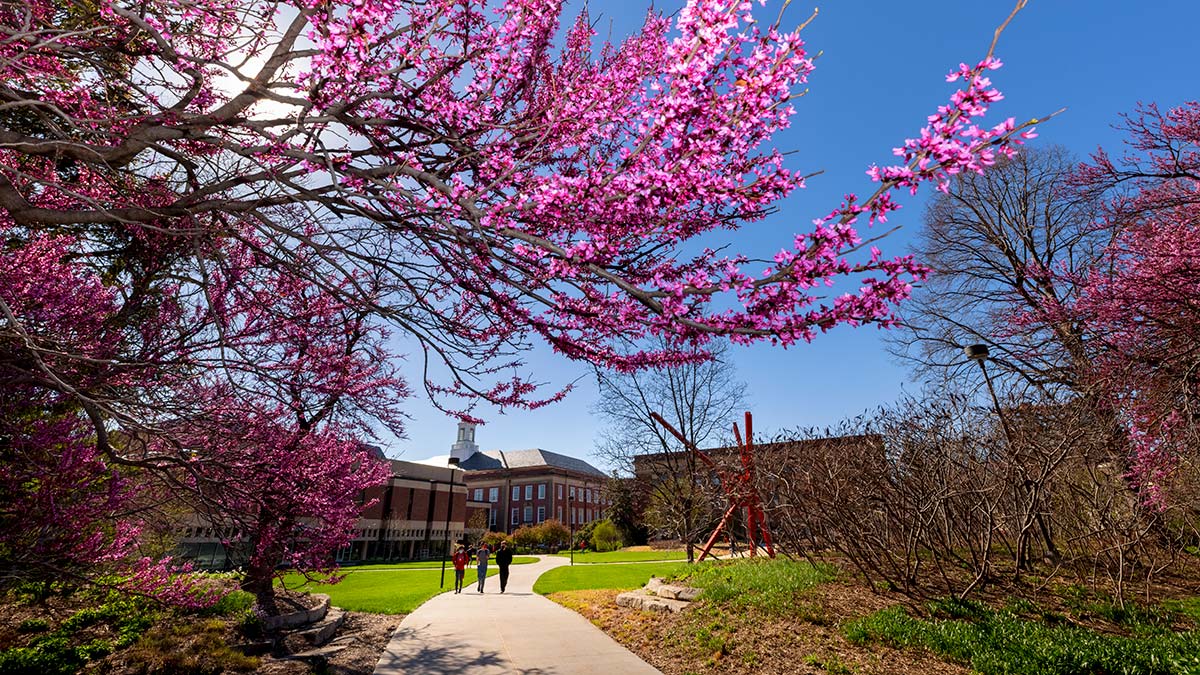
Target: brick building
(449,498)
(413,517)
(526,487)
(410,516)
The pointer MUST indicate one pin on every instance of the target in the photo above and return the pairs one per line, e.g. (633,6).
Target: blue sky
(881,72)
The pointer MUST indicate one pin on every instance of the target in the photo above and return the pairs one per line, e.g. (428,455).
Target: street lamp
(453,464)
(979,353)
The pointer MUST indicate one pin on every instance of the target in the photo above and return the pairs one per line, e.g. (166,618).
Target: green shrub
(999,643)
(606,536)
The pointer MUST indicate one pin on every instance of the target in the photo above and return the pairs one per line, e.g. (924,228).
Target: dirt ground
(748,643)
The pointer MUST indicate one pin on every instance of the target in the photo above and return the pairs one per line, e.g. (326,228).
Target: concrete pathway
(518,631)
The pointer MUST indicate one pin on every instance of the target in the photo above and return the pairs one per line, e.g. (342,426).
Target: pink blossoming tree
(1140,302)
(245,188)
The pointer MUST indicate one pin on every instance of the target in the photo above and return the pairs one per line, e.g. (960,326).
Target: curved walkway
(518,631)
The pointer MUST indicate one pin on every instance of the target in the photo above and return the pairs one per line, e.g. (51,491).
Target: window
(541,490)
(559,512)
(493,494)
(492,517)
(529,514)
(528,492)
(541,514)
(516,518)
(572,492)
(516,493)
(478,494)
(560,490)
(588,498)
(574,511)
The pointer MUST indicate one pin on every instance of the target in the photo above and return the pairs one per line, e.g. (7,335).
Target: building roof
(419,471)
(494,460)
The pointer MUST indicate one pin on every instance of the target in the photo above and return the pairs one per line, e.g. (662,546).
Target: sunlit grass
(616,576)
(381,593)
(624,556)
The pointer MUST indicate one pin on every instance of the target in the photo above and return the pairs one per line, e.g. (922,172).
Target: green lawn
(426,565)
(382,593)
(588,577)
(625,556)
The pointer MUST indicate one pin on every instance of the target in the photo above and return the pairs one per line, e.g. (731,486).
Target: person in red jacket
(460,568)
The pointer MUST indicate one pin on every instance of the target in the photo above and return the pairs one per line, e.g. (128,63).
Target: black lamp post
(449,514)
(979,353)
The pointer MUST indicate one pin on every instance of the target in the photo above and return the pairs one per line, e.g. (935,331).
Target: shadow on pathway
(515,632)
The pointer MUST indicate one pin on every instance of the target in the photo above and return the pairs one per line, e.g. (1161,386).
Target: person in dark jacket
(503,560)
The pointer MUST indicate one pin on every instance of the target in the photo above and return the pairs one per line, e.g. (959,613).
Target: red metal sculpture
(739,489)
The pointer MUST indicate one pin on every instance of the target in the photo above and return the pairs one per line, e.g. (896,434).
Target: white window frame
(541,490)
(529,491)
(528,514)
(478,494)
(541,514)
(516,492)
(560,491)
(516,516)
(493,495)
(491,517)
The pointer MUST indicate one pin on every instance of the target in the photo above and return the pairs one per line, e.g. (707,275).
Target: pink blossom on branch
(505,188)
(249,191)
(1139,302)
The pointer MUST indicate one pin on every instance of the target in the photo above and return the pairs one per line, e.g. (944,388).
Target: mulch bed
(703,640)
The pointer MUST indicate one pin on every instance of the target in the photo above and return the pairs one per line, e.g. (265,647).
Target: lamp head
(976,352)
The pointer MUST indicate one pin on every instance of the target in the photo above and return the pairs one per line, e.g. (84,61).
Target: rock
(322,632)
(255,648)
(646,602)
(320,653)
(632,599)
(301,617)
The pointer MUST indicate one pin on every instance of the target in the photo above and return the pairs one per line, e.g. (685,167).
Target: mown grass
(382,593)
(425,565)
(612,576)
(999,642)
(592,558)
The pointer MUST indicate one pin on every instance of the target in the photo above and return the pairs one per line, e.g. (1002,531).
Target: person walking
(503,560)
(482,559)
(460,568)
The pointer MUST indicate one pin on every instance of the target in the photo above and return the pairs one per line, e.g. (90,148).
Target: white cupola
(465,446)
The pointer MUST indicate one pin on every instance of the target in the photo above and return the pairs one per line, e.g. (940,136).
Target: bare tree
(698,399)
(1000,246)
